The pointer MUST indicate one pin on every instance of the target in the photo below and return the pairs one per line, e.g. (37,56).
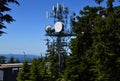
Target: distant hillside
(20,57)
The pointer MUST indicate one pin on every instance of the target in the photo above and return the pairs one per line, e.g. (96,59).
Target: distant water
(20,57)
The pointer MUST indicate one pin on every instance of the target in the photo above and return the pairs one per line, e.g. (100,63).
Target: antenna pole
(24,55)
(47,14)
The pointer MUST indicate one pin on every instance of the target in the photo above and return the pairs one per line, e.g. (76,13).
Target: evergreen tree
(11,60)
(24,73)
(98,1)
(3,16)
(44,70)
(2,59)
(17,61)
(35,71)
(52,65)
(95,50)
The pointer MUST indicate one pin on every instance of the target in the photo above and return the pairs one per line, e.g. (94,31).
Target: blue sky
(27,33)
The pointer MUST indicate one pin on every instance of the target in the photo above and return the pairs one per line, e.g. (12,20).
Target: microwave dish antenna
(58,26)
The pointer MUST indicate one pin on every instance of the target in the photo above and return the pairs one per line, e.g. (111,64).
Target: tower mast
(59,34)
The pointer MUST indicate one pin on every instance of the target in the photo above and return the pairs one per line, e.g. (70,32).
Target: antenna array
(59,34)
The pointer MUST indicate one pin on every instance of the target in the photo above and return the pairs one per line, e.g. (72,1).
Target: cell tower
(59,34)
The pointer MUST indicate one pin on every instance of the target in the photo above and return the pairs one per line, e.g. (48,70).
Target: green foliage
(95,50)
(98,1)
(2,59)
(24,73)
(35,71)
(12,60)
(52,65)
(17,61)
(53,60)
(3,16)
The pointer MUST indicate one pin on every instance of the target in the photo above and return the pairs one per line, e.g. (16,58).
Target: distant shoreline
(20,57)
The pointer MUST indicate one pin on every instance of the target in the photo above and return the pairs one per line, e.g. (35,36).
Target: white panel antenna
(47,15)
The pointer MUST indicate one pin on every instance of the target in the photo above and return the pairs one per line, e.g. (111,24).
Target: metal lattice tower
(59,34)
